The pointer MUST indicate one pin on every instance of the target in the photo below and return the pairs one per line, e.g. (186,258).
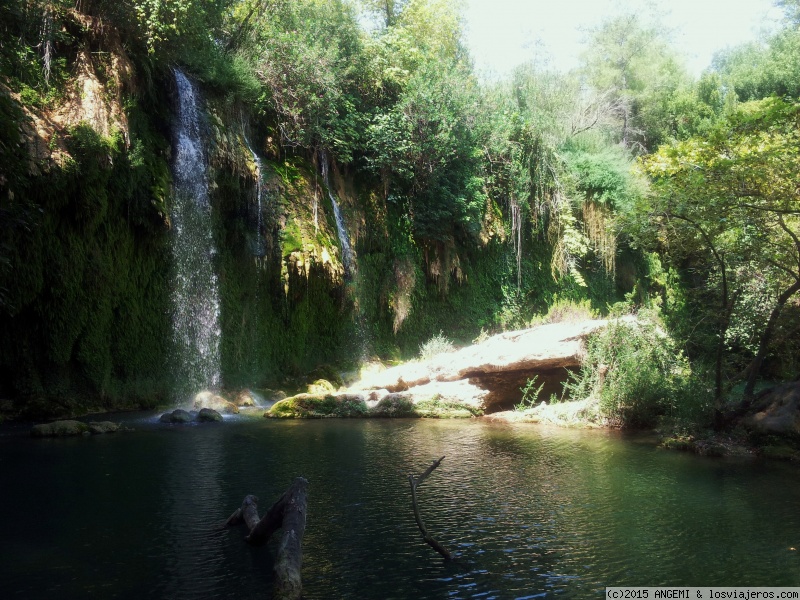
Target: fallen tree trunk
(287,513)
(415,482)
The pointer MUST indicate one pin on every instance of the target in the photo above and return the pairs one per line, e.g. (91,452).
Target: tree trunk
(766,337)
(287,513)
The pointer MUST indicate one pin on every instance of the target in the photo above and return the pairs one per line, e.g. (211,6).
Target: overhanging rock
(501,365)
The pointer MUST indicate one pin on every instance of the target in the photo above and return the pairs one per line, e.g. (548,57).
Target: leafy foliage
(438,344)
(635,372)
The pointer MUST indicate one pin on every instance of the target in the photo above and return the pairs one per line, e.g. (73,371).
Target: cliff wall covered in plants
(367,193)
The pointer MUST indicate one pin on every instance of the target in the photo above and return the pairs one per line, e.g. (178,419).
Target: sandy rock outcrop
(491,373)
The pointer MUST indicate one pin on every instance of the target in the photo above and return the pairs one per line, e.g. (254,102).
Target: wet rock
(208,415)
(59,429)
(245,398)
(176,416)
(97,427)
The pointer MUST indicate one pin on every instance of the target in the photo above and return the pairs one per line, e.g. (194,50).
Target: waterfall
(195,294)
(347,251)
(259,249)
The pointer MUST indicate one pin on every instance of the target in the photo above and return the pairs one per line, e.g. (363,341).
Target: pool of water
(529,511)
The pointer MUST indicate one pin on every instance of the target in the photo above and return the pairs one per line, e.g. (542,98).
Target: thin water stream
(530,512)
(341,230)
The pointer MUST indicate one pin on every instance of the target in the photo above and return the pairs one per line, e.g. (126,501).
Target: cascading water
(195,294)
(260,249)
(347,251)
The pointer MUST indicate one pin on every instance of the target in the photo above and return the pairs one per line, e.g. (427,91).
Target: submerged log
(289,514)
(415,482)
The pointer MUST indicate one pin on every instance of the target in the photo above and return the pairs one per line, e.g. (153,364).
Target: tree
(632,65)
(736,192)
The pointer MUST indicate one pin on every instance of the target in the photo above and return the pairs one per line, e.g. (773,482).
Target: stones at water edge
(59,429)
(180,416)
(449,400)
(176,416)
(98,427)
(208,415)
(72,428)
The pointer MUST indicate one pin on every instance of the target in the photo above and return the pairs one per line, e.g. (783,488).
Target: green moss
(437,407)
(394,406)
(308,406)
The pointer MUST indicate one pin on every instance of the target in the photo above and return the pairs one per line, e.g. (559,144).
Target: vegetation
(637,375)
(473,207)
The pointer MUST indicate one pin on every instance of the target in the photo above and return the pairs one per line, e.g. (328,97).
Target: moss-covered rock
(60,429)
(394,406)
(320,386)
(310,406)
(440,408)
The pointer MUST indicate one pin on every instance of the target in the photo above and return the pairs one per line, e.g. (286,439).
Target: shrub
(530,394)
(566,311)
(635,372)
(438,344)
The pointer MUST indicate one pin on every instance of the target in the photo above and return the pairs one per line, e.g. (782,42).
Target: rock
(321,386)
(208,399)
(776,410)
(245,398)
(277,396)
(176,416)
(315,406)
(493,371)
(97,427)
(463,392)
(207,415)
(394,405)
(59,429)
(181,416)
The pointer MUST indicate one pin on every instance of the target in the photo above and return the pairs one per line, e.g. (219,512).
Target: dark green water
(532,512)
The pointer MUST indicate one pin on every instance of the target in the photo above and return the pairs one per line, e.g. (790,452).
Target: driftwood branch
(415,482)
(289,514)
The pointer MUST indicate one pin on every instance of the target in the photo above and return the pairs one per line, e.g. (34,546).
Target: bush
(565,310)
(438,344)
(635,372)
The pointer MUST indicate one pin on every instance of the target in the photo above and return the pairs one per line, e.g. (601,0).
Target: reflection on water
(530,512)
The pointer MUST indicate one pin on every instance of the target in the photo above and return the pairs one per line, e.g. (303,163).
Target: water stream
(344,240)
(530,512)
(195,294)
(260,249)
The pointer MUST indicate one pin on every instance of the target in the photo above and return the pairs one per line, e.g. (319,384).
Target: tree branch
(416,481)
